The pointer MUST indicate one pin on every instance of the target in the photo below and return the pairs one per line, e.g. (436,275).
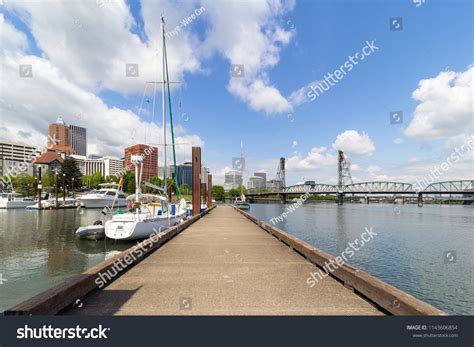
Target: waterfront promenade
(223,264)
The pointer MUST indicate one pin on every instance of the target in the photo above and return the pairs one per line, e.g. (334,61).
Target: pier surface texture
(224,264)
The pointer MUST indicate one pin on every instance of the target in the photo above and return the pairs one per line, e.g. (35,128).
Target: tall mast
(242,166)
(171,115)
(163,102)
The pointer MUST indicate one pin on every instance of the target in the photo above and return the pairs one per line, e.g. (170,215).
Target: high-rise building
(150,159)
(59,137)
(185,174)
(256,182)
(274,185)
(15,158)
(78,139)
(106,166)
(113,165)
(169,171)
(233,179)
(263,175)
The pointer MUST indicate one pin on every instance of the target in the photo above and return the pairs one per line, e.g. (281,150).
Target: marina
(132,213)
(218,260)
(235,251)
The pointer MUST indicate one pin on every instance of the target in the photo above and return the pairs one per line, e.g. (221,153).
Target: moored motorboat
(104,196)
(14,200)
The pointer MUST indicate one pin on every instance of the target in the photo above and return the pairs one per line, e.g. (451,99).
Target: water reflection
(39,249)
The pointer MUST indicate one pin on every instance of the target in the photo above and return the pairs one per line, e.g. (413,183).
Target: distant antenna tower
(281,173)
(344,170)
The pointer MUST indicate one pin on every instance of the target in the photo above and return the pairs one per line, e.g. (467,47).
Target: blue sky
(284,46)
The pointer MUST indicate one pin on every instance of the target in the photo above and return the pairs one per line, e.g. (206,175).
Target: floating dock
(226,263)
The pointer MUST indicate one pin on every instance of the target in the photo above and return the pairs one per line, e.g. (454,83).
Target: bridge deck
(223,265)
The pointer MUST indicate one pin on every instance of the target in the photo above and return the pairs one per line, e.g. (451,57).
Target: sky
(248,71)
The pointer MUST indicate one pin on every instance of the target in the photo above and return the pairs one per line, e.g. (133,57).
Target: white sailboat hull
(129,227)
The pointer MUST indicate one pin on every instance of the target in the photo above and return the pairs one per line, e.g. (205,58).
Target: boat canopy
(146,198)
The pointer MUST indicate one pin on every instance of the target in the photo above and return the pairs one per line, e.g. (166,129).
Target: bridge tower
(281,179)
(344,175)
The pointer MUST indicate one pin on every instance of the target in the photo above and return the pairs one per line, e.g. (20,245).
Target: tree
(236,191)
(71,171)
(129,182)
(184,189)
(96,179)
(156,181)
(47,179)
(24,184)
(218,193)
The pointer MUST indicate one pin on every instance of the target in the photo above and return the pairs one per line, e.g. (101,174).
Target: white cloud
(373,169)
(397,141)
(445,106)
(414,160)
(96,42)
(353,143)
(294,144)
(250,35)
(11,38)
(299,96)
(28,105)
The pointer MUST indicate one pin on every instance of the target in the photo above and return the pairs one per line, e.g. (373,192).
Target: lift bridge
(462,189)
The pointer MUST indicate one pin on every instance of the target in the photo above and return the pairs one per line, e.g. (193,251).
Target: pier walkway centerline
(223,264)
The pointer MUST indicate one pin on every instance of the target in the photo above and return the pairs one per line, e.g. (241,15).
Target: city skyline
(394,123)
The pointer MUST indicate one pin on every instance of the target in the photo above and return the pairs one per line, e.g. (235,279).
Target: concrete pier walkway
(223,265)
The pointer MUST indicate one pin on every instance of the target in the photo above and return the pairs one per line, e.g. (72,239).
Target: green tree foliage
(184,189)
(218,193)
(24,185)
(156,181)
(71,170)
(47,180)
(129,182)
(236,191)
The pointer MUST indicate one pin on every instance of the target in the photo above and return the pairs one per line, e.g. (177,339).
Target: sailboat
(150,213)
(240,202)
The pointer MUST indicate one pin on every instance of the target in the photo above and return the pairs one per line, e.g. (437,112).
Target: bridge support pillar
(367,200)
(340,199)
(283,198)
(420,200)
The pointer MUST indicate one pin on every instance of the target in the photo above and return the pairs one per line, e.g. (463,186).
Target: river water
(426,252)
(38,249)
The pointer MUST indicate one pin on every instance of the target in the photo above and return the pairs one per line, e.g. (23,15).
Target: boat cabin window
(122,196)
(110,193)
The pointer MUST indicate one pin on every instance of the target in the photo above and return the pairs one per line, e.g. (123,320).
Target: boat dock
(225,263)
